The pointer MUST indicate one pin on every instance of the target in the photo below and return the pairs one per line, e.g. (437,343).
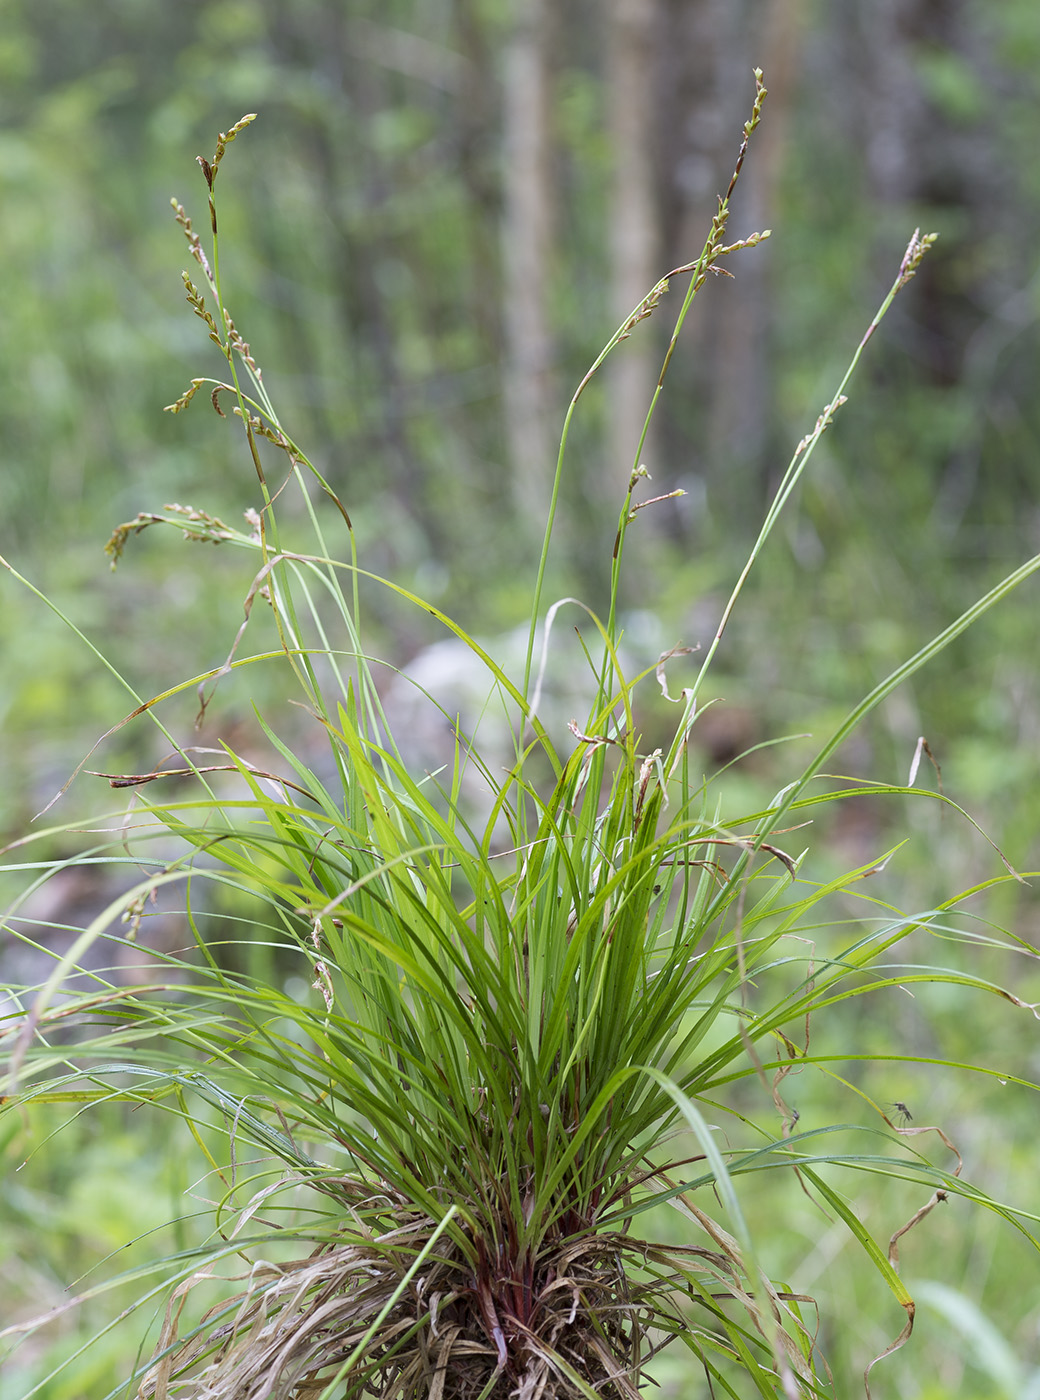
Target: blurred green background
(441,214)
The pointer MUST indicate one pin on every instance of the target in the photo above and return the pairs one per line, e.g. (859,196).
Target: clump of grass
(476,1100)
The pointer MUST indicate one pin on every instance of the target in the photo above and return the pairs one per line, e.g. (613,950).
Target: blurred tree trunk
(742,399)
(634,230)
(698,117)
(527,237)
(707,88)
(478,166)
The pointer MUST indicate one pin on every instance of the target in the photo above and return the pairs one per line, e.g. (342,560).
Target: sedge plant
(485,1046)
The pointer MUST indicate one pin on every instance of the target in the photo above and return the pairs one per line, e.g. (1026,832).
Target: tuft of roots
(390,1308)
(348,1316)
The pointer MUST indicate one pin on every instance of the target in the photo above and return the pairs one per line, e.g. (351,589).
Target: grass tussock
(478,1051)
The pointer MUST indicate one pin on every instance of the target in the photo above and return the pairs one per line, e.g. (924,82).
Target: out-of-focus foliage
(366,256)
(355,244)
(365,268)
(358,248)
